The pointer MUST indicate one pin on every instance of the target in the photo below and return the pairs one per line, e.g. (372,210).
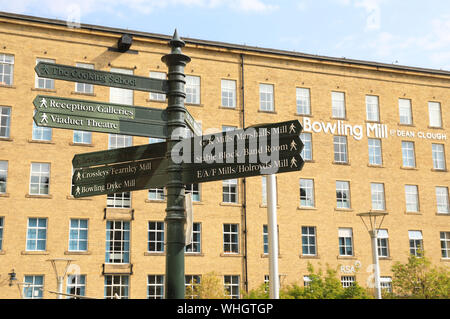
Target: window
(82,137)
(266,239)
(445,244)
(266,97)
(84,87)
(156,194)
(338,105)
(119,141)
(76,285)
(192,89)
(386,284)
(36,234)
(119,200)
(405,112)
(438,156)
(190,283)
(415,242)
(158,96)
(6,69)
(33,287)
(39,179)
(306,193)
(78,235)
(383,243)
(3,176)
(408,155)
(155,237)
(372,108)
(377,195)
(434,111)
(303,101)
(5,121)
(118,95)
(116,286)
(195,245)
(345,242)
(44,83)
(229,194)
(155,286)
(117,242)
(375,157)
(306,152)
(340,149)
(194,190)
(1,233)
(230,238)
(231,284)
(347,281)
(342,194)
(41,133)
(228,93)
(309,240)
(411,198)
(442,200)
(306,281)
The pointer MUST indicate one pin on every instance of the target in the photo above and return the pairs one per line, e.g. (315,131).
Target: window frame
(340,149)
(231,244)
(228,88)
(3,74)
(408,154)
(6,119)
(156,236)
(338,105)
(118,246)
(372,108)
(266,97)
(303,101)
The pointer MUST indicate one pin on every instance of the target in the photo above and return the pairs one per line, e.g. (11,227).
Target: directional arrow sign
(104,78)
(109,111)
(120,155)
(82,123)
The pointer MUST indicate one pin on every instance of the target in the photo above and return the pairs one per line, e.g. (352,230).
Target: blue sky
(405,32)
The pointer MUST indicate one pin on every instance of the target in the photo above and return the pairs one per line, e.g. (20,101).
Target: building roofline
(228,46)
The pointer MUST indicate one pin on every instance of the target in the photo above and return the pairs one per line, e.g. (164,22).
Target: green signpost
(257,150)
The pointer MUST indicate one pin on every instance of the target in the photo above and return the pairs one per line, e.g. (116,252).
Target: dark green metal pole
(175,218)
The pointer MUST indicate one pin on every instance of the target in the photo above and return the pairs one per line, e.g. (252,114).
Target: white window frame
(121,288)
(442,200)
(82,137)
(42,172)
(405,112)
(37,290)
(232,286)
(230,239)
(118,200)
(411,198)
(84,88)
(2,221)
(116,251)
(228,93)
(311,241)
(435,115)
(372,108)
(7,61)
(347,281)
(375,151)
(415,241)
(307,200)
(303,100)
(408,154)
(3,176)
(438,155)
(343,194)
(340,148)
(34,234)
(306,152)
(377,196)
(76,285)
(445,244)
(266,97)
(41,133)
(338,109)
(191,281)
(156,236)
(5,121)
(345,247)
(192,88)
(44,83)
(77,232)
(230,190)
(155,286)
(383,243)
(195,247)
(157,96)
(156,194)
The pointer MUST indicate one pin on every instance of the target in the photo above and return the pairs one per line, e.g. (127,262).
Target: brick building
(375,140)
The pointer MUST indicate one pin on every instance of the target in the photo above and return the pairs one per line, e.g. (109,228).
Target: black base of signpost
(175,217)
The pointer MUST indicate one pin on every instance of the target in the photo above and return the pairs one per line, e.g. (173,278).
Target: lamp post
(372,228)
(61,272)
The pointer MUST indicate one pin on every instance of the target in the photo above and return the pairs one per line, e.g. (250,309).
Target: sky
(405,32)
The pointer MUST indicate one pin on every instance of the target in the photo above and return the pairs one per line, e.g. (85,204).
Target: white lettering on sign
(373,130)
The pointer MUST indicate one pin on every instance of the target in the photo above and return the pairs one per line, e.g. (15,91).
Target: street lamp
(373,228)
(60,266)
